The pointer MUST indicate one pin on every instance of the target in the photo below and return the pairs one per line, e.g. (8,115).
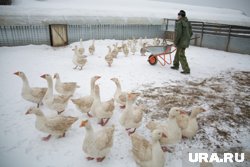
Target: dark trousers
(181,58)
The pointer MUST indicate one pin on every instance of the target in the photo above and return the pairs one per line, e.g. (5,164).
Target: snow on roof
(29,12)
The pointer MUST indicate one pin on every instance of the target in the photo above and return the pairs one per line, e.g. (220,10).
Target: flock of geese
(97,144)
(126,47)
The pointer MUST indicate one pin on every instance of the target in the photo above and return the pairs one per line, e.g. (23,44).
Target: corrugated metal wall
(24,35)
(112,31)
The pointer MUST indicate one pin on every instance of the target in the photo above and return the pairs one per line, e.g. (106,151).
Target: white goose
(97,144)
(131,116)
(54,102)
(92,48)
(143,49)
(125,49)
(66,88)
(133,48)
(57,125)
(84,104)
(32,94)
(115,51)
(192,127)
(102,110)
(109,57)
(146,154)
(182,120)
(120,97)
(78,59)
(170,128)
(81,48)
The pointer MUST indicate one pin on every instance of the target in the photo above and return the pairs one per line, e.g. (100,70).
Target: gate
(58,34)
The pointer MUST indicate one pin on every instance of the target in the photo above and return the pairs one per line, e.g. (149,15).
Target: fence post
(202,29)
(228,37)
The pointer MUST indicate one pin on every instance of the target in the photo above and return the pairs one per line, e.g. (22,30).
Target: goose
(144,49)
(132,116)
(119,96)
(84,104)
(192,127)
(109,57)
(32,94)
(66,88)
(135,41)
(119,48)
(125,50)
(78,59)
(148,154)
(115,51)
(92,48)
(57,125)
(182,120)
(156,42)
(54,102)
(129,43)
(81,49)
(102,110)
(140,42)
(170,128)
(97,144)
(133,48)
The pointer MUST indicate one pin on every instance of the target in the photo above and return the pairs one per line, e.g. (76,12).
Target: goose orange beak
(17,73)
(183,112)
(83,123)
(27,112)
(43,76)
(164,135)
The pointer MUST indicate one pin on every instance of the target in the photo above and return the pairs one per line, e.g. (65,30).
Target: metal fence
(112,31)
(23,35)
(217,36)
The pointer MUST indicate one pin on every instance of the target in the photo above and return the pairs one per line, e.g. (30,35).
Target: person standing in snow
(183,33)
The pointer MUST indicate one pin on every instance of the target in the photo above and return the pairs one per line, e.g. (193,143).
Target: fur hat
(182,13)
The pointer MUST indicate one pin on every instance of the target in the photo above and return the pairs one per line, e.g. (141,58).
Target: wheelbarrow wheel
(152,60)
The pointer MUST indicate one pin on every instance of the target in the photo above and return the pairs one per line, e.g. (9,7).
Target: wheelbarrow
(161,54)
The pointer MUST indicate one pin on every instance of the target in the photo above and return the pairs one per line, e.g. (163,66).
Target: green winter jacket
(183,33)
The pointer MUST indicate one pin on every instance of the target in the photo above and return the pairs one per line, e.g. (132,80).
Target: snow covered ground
(20,142)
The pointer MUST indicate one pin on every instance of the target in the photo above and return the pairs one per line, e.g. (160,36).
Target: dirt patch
(225,97)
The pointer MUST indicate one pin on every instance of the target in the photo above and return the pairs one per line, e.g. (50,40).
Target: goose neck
(118,85)
(129,104)
(97,97)
(157,154)
(25,83)
(50,86)
(92,88)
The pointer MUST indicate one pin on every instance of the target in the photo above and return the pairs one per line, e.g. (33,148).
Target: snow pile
(112,11)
